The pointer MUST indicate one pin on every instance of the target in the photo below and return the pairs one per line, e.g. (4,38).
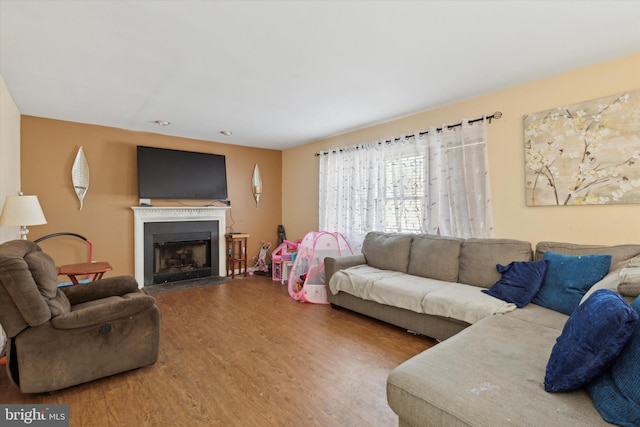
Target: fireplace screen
(180,250)
(181,260)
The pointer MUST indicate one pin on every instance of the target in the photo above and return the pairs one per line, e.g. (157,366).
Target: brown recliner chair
(60,337)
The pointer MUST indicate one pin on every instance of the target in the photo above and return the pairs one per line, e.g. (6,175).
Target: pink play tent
(307,280)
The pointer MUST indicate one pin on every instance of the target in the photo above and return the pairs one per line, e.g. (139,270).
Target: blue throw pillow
(616,393)
(519,283)
(592,338)
(568,278)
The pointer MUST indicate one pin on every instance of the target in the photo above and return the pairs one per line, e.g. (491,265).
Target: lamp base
(23,232)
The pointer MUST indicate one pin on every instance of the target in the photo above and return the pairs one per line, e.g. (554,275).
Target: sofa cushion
(479,257)
(519,283)
(616,394)
(539,315)
(359,279)
(490,374)
(568,278)
(435,257)
(611,281)
(405,291)
(629,282)
(591,339)
(387,251)
(630,278)
(619,253)
(463,302)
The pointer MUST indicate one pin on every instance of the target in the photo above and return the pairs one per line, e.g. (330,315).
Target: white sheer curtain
(436,183)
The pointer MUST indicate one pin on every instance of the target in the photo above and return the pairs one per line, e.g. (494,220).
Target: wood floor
(245,354)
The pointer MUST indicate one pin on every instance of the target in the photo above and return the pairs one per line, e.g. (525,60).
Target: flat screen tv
(175,174)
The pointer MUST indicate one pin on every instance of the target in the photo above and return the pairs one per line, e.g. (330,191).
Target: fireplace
(180,250)
(177,244)
(174,261)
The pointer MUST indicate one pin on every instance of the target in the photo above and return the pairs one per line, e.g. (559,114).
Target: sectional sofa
(489,368)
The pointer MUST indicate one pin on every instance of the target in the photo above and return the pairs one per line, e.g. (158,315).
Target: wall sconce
(80,175)
(22,211)
(256,184)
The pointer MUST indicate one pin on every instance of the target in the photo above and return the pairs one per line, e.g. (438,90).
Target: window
(404,191)
(435,183)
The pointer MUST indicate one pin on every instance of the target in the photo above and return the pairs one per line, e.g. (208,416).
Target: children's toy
(259,260)
(281,255)
(307,279)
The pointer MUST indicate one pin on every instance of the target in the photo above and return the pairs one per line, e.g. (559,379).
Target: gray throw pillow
(629,285)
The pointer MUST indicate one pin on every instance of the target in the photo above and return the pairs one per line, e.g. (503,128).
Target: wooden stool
(236,254)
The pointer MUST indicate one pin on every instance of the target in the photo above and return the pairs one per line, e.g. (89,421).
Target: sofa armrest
(103,288)
(331,264)
(99,313)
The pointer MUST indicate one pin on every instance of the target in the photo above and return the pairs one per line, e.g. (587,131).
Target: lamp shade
(22,210)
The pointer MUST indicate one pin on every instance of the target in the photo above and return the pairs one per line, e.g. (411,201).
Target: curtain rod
(495,115)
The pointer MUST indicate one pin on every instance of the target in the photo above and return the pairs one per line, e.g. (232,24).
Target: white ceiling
(284,73)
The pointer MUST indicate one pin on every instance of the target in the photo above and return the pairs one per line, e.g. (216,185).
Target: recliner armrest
(103,288)
(110,310)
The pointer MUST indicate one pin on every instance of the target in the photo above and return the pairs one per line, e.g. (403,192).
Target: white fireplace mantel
(144,214)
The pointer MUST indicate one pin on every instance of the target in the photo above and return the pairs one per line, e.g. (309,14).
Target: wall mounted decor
(585,153)
(256,184)
(80,175)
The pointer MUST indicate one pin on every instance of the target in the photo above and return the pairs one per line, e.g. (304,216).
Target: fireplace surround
(182,232)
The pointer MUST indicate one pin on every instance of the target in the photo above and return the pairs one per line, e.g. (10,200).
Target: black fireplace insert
(180,250)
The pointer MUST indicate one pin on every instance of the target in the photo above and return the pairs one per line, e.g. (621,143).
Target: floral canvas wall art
(586,153)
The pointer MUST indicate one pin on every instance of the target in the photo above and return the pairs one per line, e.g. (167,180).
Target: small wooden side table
(96,269)
(236,254)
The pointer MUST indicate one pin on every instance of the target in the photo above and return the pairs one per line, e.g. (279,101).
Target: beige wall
(9,153)
(49,148)
(291,177)
(610,224)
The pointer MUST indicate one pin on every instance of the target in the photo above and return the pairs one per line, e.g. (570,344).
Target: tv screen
(175,174)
